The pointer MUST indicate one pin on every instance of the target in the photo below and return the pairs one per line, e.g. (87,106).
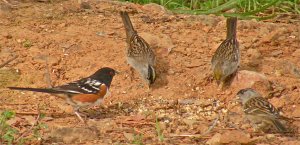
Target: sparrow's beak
(117,72)
(237,99)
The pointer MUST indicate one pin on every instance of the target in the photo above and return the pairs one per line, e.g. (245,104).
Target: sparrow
(86,92)
(225,61)
(139,54)
(259,111)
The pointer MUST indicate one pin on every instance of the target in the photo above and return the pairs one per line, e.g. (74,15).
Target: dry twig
(190,135)
(203,134)
(47,74)
(27,113)
(8,61)
(30,129)
(212,126)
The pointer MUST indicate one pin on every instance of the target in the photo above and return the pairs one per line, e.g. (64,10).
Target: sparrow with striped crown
(260,112)
(139,54)
(225,62)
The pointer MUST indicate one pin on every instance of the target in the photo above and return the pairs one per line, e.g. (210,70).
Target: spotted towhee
(85,92)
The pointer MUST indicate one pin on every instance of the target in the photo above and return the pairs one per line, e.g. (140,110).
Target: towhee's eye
(111,73)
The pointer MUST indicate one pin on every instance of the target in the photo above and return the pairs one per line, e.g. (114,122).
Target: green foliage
(244,9)
(138,139)
(37,128)
(27,44)
(7,133)
(158,130)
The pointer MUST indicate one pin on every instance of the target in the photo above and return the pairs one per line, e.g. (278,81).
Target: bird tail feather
(231,27)
(279,126)
(46,90)
(127,24)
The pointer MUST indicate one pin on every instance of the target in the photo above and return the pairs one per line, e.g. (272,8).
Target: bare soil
(183,107)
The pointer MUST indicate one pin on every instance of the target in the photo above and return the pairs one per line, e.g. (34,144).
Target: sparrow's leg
(264,126)
(237,73)
(148,90)
(260,126)
(131,74)
(221,86)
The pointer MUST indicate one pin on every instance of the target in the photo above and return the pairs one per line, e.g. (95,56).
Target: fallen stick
(47,114)
(203,134)
(190,135)
(8,61)
(47,74)
(212,126)
(7,104)
(27,113)
(30,129)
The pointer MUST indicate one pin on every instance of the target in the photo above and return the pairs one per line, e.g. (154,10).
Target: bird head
(245,94)
(105,75)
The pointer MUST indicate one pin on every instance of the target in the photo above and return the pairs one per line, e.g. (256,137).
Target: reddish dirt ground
(183,103)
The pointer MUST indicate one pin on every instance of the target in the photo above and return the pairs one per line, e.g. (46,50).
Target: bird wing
(260,106)
(139,47)
(83,86)
(226,59)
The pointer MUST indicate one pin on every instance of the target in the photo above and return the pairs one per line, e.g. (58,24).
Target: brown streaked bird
(85,92)
(225,62)
(139,54)
(260,112)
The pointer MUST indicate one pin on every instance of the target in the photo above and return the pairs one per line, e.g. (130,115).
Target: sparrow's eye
(241,92)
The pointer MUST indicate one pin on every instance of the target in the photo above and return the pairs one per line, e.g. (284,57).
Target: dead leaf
(30,119)
(129,136)
(13,120)
(189,122)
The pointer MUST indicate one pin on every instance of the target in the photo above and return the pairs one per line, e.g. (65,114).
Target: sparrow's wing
(261,107)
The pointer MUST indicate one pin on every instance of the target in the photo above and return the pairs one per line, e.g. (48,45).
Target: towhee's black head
(104,75)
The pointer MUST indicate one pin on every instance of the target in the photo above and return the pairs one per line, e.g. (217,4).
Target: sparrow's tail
(151,74)
(279,126)
(127,24)
(231,27)
(46,90)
